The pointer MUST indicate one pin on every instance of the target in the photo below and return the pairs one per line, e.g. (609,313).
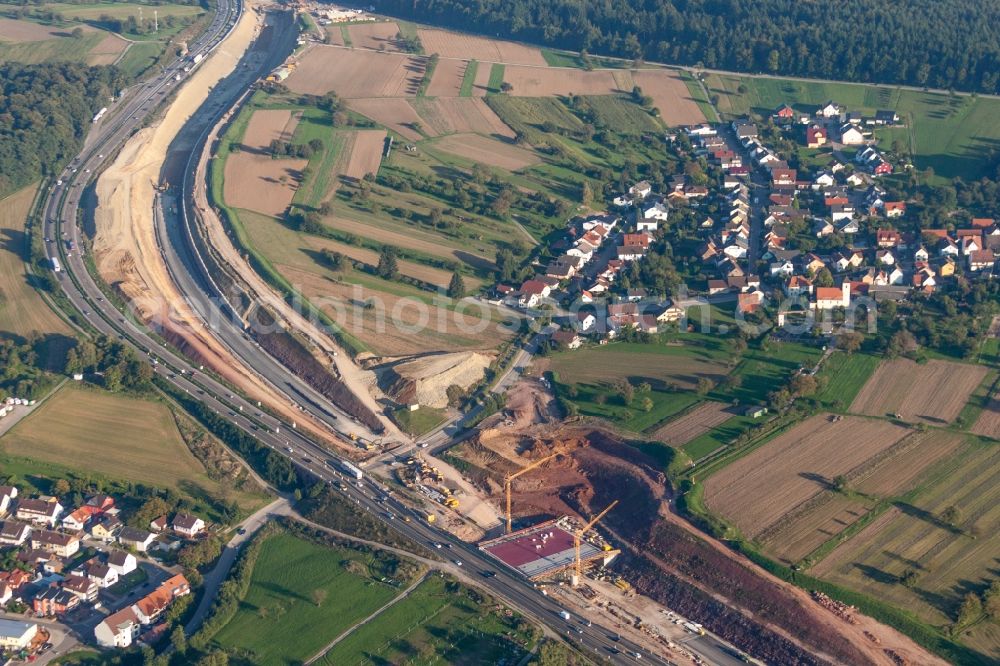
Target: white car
(458,563)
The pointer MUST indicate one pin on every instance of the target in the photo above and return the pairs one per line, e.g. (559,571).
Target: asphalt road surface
(60,224)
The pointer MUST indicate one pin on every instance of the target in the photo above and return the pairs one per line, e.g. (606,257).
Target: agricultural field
(448,78)
(693,423)
(951,135)
(379,36)
(120,10)
(759,489)
(951,552)
(449,115)
(32,43)
(933,392)
(364,154)
(482,150)
(843,376)
(439,621)
(254,180)
(325,68)
(680,365)
(125,438)
(22,309)
(306,590)
(894,473)
(461,46)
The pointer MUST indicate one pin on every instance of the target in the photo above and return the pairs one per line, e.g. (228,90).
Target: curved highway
(59,226)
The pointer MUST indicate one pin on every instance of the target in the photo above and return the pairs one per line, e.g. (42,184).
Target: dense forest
(937,43)
(45,111)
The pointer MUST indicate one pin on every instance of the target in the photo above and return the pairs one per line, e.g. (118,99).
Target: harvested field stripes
(396,114)
(481,84)
(693,423)
(412,239)
(914,535)
(458,45)
(428,274)
(365,154)
(459,115)
(496,79)
(375,36)
(757,490)
(480,149)
(356,73)
(449,76)
(934,392)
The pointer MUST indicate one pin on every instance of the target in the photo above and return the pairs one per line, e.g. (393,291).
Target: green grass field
(469,78)
(440,622)
(279,622)
(92,432)
(951,135)
(421,421)
(761,371)
(120,10)
(139,57)
(59,49)
(496,77)
(844,375)
(623,114)
(718,436)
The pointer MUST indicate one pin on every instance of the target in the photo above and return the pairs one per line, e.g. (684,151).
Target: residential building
(981,260)
(135,539)
(42,511)
(122,562)
(7,496)
(106,529)
(153,604)
(828,298)
(16,635)
(850,135)
(101,573)
(815,136)
(57,543)
(76,520)
(13,533)
(54,601)
(81,586)
(118,630)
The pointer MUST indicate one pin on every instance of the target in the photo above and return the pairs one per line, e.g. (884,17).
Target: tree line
(45,111)
(939,43)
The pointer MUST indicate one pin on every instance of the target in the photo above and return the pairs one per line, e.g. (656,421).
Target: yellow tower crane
(578,538)
(511,477)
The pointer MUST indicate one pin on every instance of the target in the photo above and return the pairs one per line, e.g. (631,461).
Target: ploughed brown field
(366,153)
(376,36)
(396,114)
(447,79)
(487,151)
(356,73)
(932,392)
(455,45)
(758,490)
(255,181)
(693,423)
(451,115)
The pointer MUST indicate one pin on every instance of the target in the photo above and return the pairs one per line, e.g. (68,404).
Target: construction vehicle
(510,477)
(451,502)
(578,539)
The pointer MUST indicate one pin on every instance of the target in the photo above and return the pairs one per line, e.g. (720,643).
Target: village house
(641,190)
(815,136)
(829,110)
(118,630)
(567,339)
(150,607)
(106,529)
(81,586)
(749,302)
(798,286)
(158,524)
(894,209)
(138,540)
(187,525)
(122,562)
(7,496)
(76,520)
(57,543)
(850,135)
(532,293)
(100,573)
(981,260)
(13,533)
(42,511)
(585,321)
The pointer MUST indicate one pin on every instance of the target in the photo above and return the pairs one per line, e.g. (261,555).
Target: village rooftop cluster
(86,563)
